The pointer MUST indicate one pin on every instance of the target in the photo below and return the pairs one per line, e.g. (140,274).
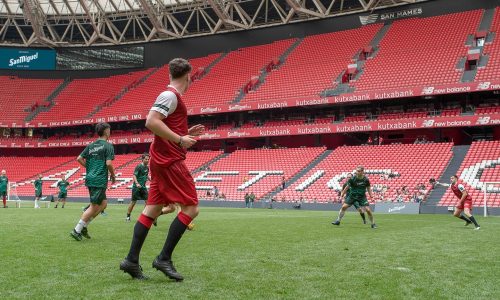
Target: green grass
(252,254)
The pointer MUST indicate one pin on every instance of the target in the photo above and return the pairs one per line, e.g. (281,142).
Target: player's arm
(134,176)
(111,169)
(82,158)
(165,104)
(81,161)
(344,191)
(110,156)
(442,184)
(369,188)
(154,122)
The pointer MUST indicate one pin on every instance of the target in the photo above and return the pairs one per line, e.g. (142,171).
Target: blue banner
(27,59)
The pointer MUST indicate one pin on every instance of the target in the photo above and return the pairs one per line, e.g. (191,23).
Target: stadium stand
(234,71)
(19,96)
(492,69)
(313,65)
(425,55)
(77,100)
(395,166)
(480,165)
(140,99)
(286,162)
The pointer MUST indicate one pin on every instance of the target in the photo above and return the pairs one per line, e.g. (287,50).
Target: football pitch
(252,254)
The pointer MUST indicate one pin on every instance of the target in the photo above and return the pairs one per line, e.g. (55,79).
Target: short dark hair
(454,176)
(101,127)
(179,67)
(144,155)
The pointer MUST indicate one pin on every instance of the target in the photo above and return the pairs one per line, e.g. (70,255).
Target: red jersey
(458,190)
(170,104)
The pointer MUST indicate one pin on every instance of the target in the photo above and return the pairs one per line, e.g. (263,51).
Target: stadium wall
(159,53)
(334,208)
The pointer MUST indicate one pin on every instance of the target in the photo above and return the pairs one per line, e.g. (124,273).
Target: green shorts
(62,195)
(38,194)
(139,194)
(3,193)
(97,195)
(357,202)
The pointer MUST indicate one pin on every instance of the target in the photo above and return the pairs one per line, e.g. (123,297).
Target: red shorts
(466,204)
(172,184)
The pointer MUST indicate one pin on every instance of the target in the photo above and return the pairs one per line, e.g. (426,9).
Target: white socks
(80,225)
(36,204)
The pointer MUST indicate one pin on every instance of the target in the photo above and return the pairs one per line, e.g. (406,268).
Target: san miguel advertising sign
(27,59)
(393,15)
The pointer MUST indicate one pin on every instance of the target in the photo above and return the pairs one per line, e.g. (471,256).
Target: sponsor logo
(483,120)
(494,121)
(352,98)
(401,14)
(483,85)
(237,133)
(95,149)
(209,136)
(395,94)
(365,20)
(149,140)
(312,102)
(428,90)
(29,145)
(272,105)
(397,208)
(428,123)
(353,128)
(190,111)
(274,132)
(239,107)
(22,59)
(451,123)
(449,90)
(314,130)
(209,109)
(398,125)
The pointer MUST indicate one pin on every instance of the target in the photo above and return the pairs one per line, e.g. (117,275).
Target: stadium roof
(62,23)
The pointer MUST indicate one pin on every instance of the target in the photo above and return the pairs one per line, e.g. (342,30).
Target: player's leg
(63,202)
(4,198)
(130,264)
(179,186)
(361,211)
(130,209)
(151,211)
(458,214)
(36,202)
(57,203)
(468,214)
(179,225)
(370,215)
(97,203)
(342,211)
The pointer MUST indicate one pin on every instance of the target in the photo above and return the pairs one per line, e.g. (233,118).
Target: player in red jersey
(464,205)
(171,181)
